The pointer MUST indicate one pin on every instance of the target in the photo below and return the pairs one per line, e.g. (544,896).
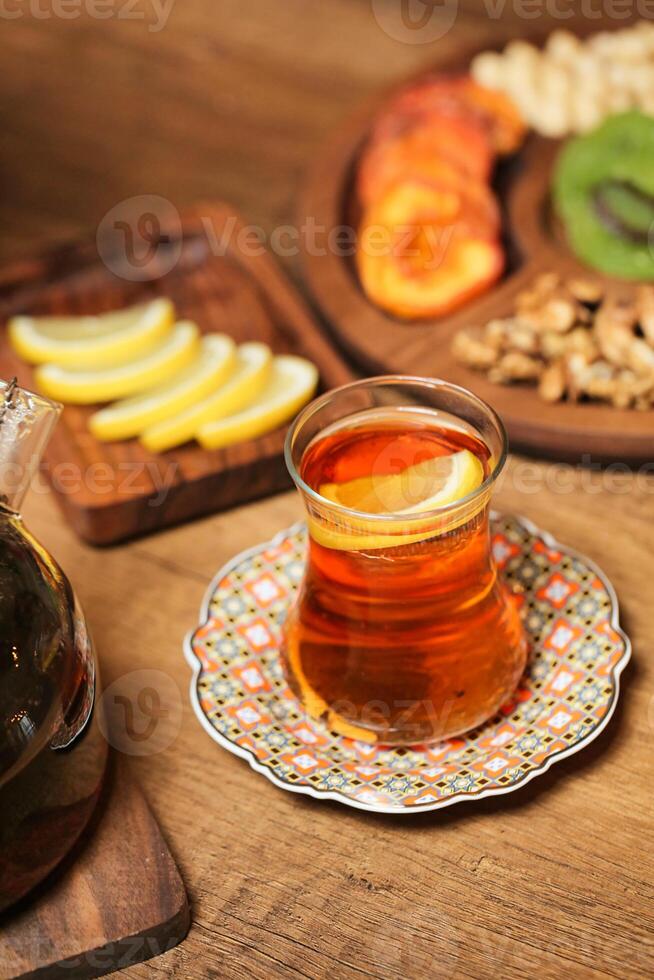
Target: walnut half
(574,338)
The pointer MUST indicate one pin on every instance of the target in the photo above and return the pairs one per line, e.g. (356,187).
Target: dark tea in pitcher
(52,752)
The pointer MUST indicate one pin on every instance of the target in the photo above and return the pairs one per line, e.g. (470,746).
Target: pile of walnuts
(574,338)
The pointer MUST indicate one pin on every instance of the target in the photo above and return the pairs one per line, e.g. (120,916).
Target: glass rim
(387,379)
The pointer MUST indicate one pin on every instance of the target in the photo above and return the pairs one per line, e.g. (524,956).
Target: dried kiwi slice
(604,194)
(625,210)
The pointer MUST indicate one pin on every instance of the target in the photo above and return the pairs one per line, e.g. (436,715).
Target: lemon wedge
(214,364)
(85,387)
(420,488)
(92,341)
(291,384)
(249,375)
(424,486)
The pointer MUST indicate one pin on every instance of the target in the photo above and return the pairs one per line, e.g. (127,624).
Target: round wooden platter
(384,345)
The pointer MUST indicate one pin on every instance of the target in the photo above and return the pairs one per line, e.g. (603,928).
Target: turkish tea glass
(402,631)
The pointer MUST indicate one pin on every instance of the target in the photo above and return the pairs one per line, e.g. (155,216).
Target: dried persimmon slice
(419,253)
(459,97)
(440,148)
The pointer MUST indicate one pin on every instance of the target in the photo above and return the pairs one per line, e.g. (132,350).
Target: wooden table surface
(231,100)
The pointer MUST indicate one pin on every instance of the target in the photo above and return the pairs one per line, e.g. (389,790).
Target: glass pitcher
(52,753)
(402,631)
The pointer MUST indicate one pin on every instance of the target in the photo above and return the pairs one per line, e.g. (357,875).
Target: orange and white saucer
(565,699)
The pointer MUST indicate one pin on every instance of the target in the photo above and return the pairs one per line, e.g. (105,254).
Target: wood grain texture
(382,344)
(116,900)
(555,881)
(223,282)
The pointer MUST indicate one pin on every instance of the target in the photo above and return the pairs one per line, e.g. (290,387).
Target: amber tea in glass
(402,631)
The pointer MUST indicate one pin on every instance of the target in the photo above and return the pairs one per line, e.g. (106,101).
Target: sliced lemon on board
(247,380)
(85,387)
(92,341)
(291,384)
(417,489)
(215,362)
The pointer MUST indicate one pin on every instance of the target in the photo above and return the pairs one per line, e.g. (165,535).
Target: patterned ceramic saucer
(565,699)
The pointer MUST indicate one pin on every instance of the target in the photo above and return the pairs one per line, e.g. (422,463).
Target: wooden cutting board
(224,282)
(382,344)
(118,898)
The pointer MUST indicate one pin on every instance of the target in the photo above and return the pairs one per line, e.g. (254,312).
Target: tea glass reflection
(402,631)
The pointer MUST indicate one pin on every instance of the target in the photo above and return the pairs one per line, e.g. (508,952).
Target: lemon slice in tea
(92,341)
(417,489)
(214,364)
(424,486)
(84,387)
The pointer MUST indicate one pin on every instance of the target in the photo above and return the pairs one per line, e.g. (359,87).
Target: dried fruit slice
(602,185)
(447,151)
(438,253)
(625,209)
(463,97)
(506,126)
(461,207)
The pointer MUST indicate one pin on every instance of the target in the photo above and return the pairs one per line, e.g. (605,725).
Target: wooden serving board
(383,345)
(110,492)
(117,899)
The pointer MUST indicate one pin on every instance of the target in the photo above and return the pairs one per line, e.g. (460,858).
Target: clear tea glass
(402,631)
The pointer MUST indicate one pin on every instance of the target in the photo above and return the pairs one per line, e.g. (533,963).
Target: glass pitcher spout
(26,424)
